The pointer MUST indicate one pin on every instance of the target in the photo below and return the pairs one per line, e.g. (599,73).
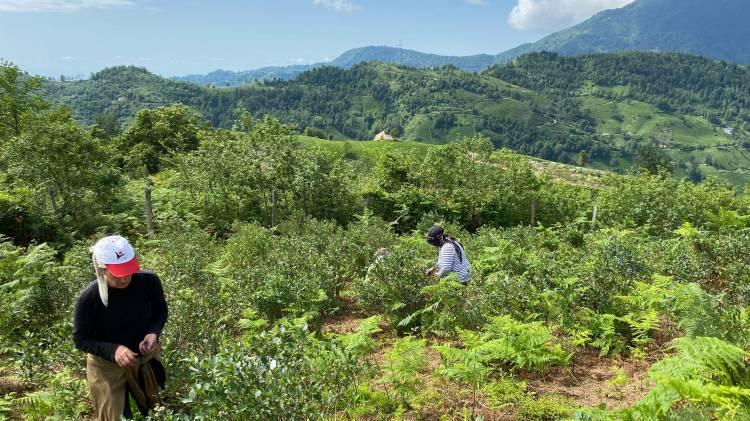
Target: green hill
(612,106)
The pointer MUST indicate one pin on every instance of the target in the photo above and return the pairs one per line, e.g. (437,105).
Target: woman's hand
(148,344)
(124,357)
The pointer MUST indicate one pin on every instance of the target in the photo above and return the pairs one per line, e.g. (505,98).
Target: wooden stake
(274,208)
(53,198)
(149,207)
(596,211)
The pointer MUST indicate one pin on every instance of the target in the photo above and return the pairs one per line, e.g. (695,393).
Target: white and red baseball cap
(117,255)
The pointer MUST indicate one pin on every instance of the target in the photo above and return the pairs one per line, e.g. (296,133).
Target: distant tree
(315,132)
(105,125)
(652,159)
(395,132)
(158,134)
(582,159)
(695,174)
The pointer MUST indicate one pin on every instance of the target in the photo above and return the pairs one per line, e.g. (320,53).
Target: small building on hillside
(729,130)
(383,136)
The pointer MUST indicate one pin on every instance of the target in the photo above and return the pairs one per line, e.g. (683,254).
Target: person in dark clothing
(117,321)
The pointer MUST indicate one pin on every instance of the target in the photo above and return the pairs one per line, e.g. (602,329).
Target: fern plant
(6,407)
(464,365)
(705,376)
(524,345)
(638,315)
(63,399)
(402,364)
(360,342)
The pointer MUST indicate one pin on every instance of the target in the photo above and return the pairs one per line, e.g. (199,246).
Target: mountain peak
(711,28)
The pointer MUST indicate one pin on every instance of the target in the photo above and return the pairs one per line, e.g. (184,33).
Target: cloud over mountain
(552,15)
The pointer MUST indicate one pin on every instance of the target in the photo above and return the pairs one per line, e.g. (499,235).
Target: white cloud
(338,5)
(552,15)
(59,5)
(68,58)
(476,2)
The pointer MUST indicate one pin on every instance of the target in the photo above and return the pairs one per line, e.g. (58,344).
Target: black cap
(435,231)
(435,235)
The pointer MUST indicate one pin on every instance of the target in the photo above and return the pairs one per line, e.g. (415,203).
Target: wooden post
(53,198)
(593,217)
(149,207)
(274,208)
(533,211)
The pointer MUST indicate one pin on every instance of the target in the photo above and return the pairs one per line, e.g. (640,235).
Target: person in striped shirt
(452,257)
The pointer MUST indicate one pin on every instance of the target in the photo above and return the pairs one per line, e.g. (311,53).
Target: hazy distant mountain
(230,78)
(718,29)
(348,59)
(411,58)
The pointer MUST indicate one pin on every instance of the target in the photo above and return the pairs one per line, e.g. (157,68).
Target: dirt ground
(587,381)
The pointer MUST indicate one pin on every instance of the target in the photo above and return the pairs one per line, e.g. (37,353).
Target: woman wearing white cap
(117,321)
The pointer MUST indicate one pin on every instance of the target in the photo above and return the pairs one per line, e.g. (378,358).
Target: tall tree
(16,98)
(55,157)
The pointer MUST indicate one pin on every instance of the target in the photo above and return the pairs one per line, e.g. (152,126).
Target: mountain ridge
(347,59)
(715,29)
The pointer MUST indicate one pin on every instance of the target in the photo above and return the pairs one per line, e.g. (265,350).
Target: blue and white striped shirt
(448,262)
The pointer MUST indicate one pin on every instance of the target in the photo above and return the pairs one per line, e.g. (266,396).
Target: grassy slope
(367,152)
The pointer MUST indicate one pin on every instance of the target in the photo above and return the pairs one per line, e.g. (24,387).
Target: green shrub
(545,408)
(452,306)
(614,260)
(278,275)
(394,284)
(504,393)
(281,373)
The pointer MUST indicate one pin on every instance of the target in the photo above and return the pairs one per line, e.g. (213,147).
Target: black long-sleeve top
(133,312)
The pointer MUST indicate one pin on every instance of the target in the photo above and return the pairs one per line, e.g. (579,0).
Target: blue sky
(170,37)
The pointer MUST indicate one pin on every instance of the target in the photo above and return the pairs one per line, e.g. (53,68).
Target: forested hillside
(610,110)
(294,267)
